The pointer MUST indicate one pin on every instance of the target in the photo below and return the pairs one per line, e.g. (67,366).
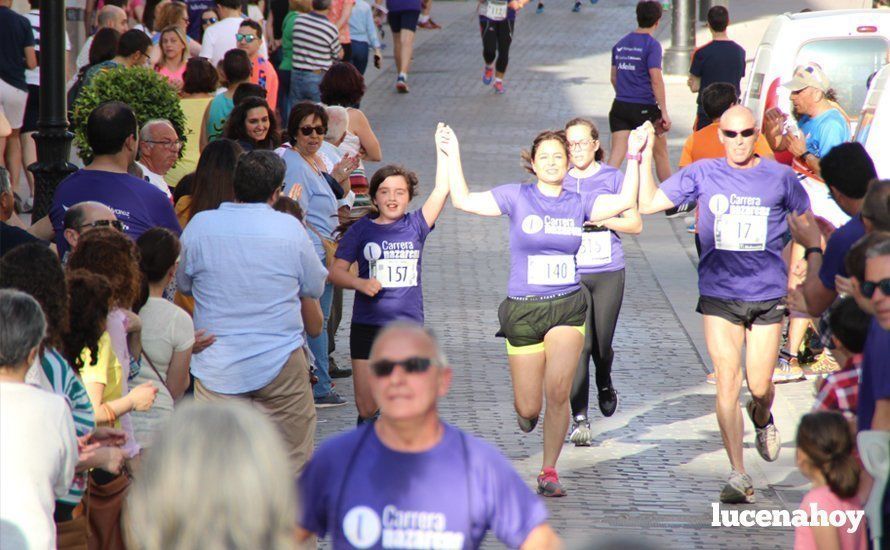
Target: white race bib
(394,273)
(496,11)
(550,270)
(740,232)
(596,249)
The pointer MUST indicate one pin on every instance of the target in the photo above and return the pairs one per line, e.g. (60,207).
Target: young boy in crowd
(849,326)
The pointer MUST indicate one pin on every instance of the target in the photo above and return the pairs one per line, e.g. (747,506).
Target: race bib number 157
(394,273)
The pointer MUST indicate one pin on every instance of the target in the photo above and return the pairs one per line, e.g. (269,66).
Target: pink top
(827,501)
(172,76)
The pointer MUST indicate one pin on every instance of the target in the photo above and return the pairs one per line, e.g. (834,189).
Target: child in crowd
(849,326)
(235,69)
(825,457)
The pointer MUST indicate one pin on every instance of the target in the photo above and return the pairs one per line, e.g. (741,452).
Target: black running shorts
(525,321)
(629,116)
(361,338)
(747,314)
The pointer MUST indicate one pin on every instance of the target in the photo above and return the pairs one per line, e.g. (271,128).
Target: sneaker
(711,378)
(787,369)
(581,435)
(339,372)
(577,7)
(690,228)
(540,8)
(487,75)
(526,424)
(608,400)
(499,87)
(739,489)
(549,485)
(825,364)
(678,211)
(429,24)
(402,85)
(767,439)
(332,399)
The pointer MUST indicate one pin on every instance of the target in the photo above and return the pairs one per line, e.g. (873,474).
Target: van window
(848,62)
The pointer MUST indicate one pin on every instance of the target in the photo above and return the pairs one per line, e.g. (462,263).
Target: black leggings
(496,39)
(606,291)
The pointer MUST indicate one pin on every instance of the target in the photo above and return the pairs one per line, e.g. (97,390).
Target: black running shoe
(608,399)
(680,210)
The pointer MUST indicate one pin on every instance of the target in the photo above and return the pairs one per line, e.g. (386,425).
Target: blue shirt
(824,132)
(247,267)
(718,61)
(317,200)
(366,495)
(361,24)
(840,242)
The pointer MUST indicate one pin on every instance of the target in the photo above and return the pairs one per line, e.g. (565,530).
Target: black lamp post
(52,138)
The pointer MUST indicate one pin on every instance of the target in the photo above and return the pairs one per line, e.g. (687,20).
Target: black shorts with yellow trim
(525,321)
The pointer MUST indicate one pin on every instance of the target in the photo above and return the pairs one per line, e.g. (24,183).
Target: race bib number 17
(551,270)
(740,232)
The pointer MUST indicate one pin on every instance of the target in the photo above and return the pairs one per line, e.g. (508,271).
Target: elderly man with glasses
(85,216)
(159,147)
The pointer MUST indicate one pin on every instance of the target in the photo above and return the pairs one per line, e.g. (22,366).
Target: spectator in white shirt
(159,147)
(110,17)
(220,37)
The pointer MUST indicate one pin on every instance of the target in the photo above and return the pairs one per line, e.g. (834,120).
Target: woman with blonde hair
(174,55)
(177,503)
(175,14)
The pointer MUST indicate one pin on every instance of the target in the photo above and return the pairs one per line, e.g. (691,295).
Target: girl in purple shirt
(544,314)
(387,245)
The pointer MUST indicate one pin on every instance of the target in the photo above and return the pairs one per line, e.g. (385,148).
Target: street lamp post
(52,138)
(678,57)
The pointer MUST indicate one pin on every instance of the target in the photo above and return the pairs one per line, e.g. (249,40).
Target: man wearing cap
(821,123)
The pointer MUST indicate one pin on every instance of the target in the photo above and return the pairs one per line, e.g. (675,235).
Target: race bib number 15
(551,270)
(394,273)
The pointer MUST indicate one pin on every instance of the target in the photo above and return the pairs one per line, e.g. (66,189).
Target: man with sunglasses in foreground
(409,480)
(744,201)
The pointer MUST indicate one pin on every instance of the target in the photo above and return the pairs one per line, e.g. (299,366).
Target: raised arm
(652,199)
(628,222)
(609,206)
(436,201)
(484,203)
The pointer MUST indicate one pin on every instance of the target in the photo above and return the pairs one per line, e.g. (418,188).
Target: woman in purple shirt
(544,314)
(387,245)
(600,264)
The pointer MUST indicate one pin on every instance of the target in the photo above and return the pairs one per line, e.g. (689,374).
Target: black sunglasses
(869,287)
(307,130)
(117,224)
(209,20)
(732,133)
(384,367)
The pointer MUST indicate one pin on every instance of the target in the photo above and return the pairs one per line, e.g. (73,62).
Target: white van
(874,122)
(849,45)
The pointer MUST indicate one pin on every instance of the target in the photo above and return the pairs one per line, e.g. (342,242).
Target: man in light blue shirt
(247,267)
(363,33)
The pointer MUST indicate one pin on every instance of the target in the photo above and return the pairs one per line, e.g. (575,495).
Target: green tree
(149,94)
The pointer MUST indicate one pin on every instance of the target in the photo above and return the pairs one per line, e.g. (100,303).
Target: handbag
(72,534)
(155,369)
(105,505)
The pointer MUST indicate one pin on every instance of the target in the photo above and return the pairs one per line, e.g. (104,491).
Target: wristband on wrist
(637,157)
(812,250)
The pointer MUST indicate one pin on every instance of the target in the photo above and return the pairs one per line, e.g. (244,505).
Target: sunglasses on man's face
(117,224)
(384,367)
(307,130)
(868,287)
(209,20)
(744,133)
(246,37)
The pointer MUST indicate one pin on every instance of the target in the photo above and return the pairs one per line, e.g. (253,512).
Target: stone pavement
(657,465)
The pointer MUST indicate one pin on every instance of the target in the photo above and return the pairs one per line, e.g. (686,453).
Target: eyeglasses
(869,287)
(208,20)
(117,224)
(744,133)
(246,37)
(581,143)
(172,145)
(319,130)
(384,367)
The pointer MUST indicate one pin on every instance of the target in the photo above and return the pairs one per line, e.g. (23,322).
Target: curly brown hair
(112,254)
(89,298)
(34,269)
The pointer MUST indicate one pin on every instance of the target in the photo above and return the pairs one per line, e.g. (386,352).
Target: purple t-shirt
(841,241)
(137,203)
(874,384)
(545,235)
(601,251)
(741,225)
(632,58)
(393,251)
(365,495)
(403,5)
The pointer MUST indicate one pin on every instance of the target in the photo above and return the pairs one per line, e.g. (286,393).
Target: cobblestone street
(657,465)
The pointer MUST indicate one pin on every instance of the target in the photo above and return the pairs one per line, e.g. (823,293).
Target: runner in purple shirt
(388,248)
(544,315)
(600,264)
(745,201)
(410,480)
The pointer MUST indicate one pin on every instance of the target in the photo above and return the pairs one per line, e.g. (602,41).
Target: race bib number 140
(551,270)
